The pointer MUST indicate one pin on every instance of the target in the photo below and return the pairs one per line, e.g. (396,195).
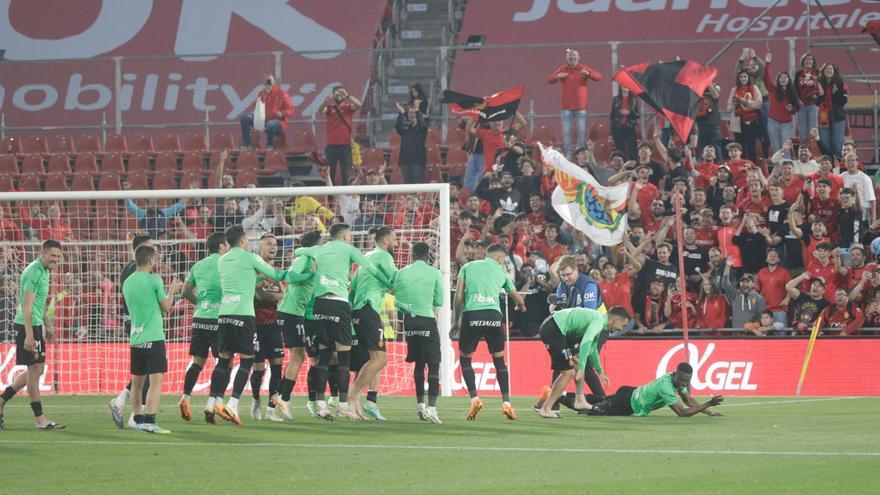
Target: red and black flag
(500,106)
(873,28)
(673,89)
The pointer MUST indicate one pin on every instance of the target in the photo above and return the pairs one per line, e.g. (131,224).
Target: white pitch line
(451,448)
(796,401)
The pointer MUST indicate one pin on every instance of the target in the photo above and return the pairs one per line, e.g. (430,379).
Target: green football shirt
(418,289)
(206,277)
(298,295)
(483,281)
(238,279)
(661,392)
(142,292)
(334,260)
(587,324)
(34,278)
(366,289)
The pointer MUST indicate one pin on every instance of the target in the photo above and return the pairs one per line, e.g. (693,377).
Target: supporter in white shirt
(804,165)
(861,183)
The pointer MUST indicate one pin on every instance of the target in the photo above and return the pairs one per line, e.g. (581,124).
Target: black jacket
(412,140)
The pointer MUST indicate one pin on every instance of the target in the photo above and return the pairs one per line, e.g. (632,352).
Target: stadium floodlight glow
(92,354)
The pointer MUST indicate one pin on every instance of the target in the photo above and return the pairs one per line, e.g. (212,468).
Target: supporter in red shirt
(792,185)
(756,201)
(278,110)
(493,138)
(807,79)
(617,287)
(473,206)
(826,171)
(726,233)
(9,231)
(705,169)
(816,236)
(707,232)
(699,200)
(550,246)
(771,285)
(738,167)
(574,77)
(712,307)
(538,211)
(784,104)
(843,315)
(673,305)
(825,207)
(826,265)
(653,316)
(339,109)
(642,196)
(49,226)
(462,226)
(857,267)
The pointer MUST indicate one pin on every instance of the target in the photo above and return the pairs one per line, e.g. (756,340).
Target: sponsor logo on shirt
(709,374)
(484,299)
(231,321)
(417,333)
(209,305)
(231,298)
(145,345)
(329,282)
(484,323)
(137,330)
(333,318)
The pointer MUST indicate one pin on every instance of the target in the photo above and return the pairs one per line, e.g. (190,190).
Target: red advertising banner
(731,367)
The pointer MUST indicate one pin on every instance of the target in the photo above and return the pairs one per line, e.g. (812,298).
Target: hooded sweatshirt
(745,307)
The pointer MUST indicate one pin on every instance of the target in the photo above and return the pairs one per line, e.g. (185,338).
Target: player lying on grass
(571,338)
(145,297)
(664,391)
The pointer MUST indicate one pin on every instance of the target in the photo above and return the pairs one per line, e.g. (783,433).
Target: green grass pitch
(761,445)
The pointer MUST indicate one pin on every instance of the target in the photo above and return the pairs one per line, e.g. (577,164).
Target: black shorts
(359,355)
(481,324)
(24,357)
(422,339)
(238,334)
(369,329)
(618,404)
(205,332)
(148,358)
(269,343)
(557,345)
(334,317)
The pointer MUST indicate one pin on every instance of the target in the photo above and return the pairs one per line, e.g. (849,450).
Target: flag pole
(807,356)
(682,284)
(743,32)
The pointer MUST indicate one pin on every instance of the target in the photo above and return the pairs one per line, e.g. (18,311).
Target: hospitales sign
(710,374)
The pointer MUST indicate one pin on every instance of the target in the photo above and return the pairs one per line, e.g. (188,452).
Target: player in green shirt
(202,289)
(332,311)
(418,292)
(367,294)
(671,389)
(238,270)
(477,311)
(32,331)
(146,300)
(571,337)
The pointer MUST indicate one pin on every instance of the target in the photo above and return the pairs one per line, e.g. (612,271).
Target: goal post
(90,355)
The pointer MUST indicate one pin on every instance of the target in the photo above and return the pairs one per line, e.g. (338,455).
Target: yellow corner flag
(813,335)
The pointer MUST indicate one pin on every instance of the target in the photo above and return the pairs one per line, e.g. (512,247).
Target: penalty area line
(452,448)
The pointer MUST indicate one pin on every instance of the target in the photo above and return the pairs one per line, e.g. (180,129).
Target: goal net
(90,354)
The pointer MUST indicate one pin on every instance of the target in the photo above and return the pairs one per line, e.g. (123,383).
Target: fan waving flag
(673,89)
(500,106)
(596,210)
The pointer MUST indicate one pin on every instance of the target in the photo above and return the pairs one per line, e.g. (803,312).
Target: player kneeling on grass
(146,300)
(664,391)
(576,330)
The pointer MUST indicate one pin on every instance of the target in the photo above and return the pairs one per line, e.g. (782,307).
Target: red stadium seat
(137,181)
(191,179)
(59,163)
(88,143)
(280,142)
(456,170)
(166,161)
(109,181)
(112,163)
(169,142)
(373,157)
(602,150)
(36,144)
(394,156)
(56,182)
(8,165)
(6,184)
(143,143)
(433,174)
(194,161)
(433,137)
(82,181)
(456,156)
(396,175)
(117,142)
(434,157)
(598,131)
(455,137)
(195,141)
(395,139)
(303,142)
(275,163)
(139,162)
(79,215)
(247,160)
(164,180)
(30,183)
(62,144)
(544,134)
(11,146)
(86,163)
(222,141)
(245,177)
(33,164)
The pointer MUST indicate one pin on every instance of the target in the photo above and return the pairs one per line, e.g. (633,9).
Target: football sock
(139,419)
(343,373)
(503,377)
(257,382)
(333,379)
(433,383)
(8,394)
(275,379)
(470,379)
(233,403)
(592,381)
(373,396)
(189,380)
(220,377)
(241,377)
(322,372)
(37,407)
(150,418)
(419,379)
(287,388)
(311,384)
(128,387)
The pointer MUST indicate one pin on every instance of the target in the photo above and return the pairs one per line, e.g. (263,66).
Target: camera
(541,278)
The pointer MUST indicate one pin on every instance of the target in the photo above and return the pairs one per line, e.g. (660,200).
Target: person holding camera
(339,108)
(278,108)
(535,287)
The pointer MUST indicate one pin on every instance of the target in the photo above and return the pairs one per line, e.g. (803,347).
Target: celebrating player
(571,331)
(32,330)
(146,300)
(238,270)
(478,314)
(640,401)
(418,291)
(367,293)
(296,320)
(202,288)
(269,343)
(332,311)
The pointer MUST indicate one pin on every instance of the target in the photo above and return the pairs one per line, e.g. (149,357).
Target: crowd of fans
(769,244)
